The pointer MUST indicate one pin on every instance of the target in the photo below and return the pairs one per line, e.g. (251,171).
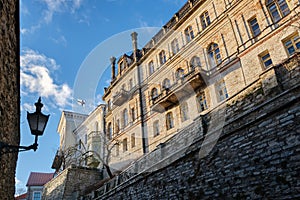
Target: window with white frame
(37,196)
(291,44)
(151,67)
(205,20)
(201,101)
(254,26)
(277,9)
(189,34)
(265,59)
(175,46)
(162,57)
(214,54)
(169,120)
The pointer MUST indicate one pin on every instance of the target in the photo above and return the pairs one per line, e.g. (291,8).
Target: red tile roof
(22,196)
(39,179)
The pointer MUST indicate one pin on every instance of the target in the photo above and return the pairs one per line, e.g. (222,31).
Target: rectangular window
(36,195)
(201,100)
(162,57)
(132,140)
(221,90)
(156,128)
(133,114)
(125,147)
(254,27)
(291,44)
(266,59)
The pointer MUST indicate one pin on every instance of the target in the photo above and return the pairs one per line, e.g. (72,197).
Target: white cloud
(60,40)
(36,78)
(57,6)
(17,181)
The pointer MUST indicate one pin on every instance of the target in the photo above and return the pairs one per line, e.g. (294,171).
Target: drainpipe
(144,134)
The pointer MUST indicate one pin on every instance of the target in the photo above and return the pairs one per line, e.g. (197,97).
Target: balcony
(120,97)
(182,88)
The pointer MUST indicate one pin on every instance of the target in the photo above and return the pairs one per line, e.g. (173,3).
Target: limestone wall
(70,184)
(254,154)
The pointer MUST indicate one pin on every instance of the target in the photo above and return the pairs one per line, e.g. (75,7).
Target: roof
(39,179)
(22,196)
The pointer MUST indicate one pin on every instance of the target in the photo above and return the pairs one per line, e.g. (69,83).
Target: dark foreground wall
(257,155)
(9,93)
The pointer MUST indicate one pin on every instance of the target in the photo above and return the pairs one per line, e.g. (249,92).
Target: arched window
(156,128)
(154,93)
(184,111)
(195,62)
(189,34)
(166,83)
(205,20)
(169,120)
(125,117)
(179,73)
(214,54)
(151,67)
(174,46)
(109,131)
(162,57)
(277,9)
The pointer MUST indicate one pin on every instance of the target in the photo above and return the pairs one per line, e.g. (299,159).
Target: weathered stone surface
(9,93)
(255,157)
(71,183)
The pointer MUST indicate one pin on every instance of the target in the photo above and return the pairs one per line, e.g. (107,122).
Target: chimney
(113,67)
(134,45)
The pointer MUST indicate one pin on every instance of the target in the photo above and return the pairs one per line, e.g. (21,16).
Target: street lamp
(37,124)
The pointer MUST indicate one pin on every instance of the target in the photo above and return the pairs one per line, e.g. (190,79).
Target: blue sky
(65,50)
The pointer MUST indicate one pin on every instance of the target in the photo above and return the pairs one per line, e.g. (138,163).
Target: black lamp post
(37,124)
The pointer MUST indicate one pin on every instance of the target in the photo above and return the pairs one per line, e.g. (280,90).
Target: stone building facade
(9,93)
(207,52)
(81,136)
(216,69)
